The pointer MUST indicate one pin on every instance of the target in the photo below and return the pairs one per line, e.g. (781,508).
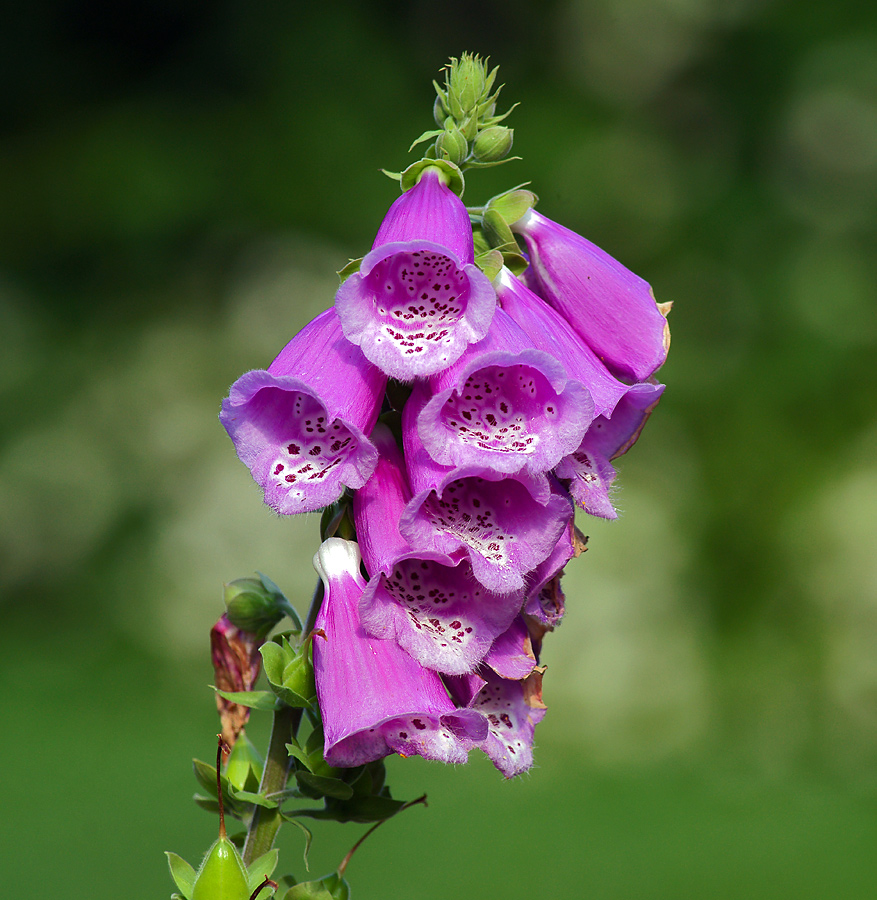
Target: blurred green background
(179,183)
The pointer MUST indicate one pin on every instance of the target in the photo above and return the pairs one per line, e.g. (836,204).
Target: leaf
(253,699)
(182,873)
(309,836)
(308,890)
(262,868)
(255,799)
(322,786)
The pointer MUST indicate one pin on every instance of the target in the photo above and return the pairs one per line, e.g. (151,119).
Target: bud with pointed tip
(492,144)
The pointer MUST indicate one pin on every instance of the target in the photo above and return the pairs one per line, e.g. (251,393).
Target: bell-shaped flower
(428,602)
(301,426)
(506,524)
(418,300)
(375,699)
(612,309)
(588,472)
(504,404)
(513,710)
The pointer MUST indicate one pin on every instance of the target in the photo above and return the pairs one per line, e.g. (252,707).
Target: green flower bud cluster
(469,133)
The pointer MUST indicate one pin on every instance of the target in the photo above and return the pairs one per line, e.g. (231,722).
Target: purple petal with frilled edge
(615,435)
(511,655)
(429,211)
(549,331)
(611,308)
(513,709)
(589,476)
(504,404)
(375,699)
(301,426)
(507,524)
(545,605)
(413,307)
(430,604)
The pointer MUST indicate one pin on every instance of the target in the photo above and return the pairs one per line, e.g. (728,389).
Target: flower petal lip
(506,524)
(375,699)
(418,300)
(504,404)
(426,601)
(612,309)
(413,307)
(301,426)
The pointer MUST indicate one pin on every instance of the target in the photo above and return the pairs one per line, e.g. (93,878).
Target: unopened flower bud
(451,144)
(466,81)
(493,143)
(439,113)
(251,606)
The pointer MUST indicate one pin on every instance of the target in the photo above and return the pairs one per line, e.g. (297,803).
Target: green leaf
(182,873)
(253,699)
(322,786)
(255,799)
(262,868)
(206,775)
(309,836)
(309,890)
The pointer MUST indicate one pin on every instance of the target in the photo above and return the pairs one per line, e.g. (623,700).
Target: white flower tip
(337,557)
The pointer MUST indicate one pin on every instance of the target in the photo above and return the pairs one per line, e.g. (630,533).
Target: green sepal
(495,120)
(176,896)
(515,262)
(289,672)
(262,868)
(352,267)
(453,175)
(264,700)
(426,136)
(474,164)
(182,873)
(396,176)
(317,786)
(513,204)
(497,232)
(490,263)
(479,241)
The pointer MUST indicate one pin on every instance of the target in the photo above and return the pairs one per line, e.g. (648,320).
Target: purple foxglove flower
(588,470)
(513,709)
(504,404)
(418,300)
(612,309)
(301,426)
(375,699)
(429,603)
(507,524)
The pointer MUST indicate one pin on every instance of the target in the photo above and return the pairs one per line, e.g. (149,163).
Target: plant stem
(266,822)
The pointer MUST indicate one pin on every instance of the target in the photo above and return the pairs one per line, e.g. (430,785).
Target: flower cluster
(518,392)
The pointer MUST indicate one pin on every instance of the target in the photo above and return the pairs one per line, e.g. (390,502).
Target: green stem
(278,763)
